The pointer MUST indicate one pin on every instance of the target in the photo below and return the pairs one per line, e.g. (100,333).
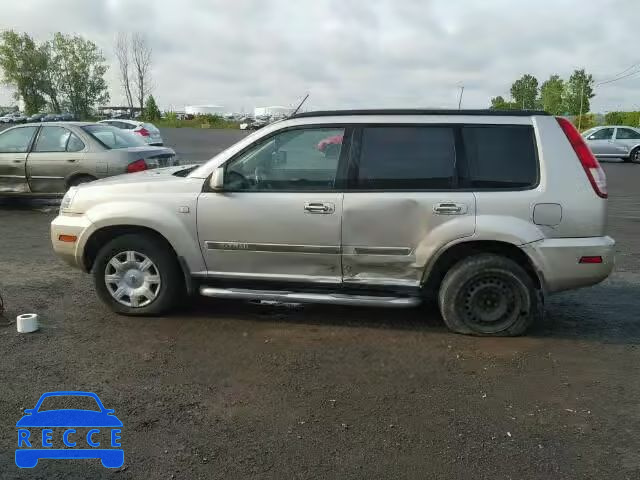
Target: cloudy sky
(352,53)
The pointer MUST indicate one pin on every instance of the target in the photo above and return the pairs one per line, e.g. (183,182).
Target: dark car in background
(36,118)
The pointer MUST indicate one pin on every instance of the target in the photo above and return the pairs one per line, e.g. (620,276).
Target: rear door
(402,203)
(56,155)
(14,145)
(626,139)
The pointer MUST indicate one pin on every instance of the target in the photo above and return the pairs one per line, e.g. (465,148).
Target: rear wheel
(138,274)
(634,156)
(489,295)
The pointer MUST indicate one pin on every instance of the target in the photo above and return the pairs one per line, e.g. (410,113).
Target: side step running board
(301,297)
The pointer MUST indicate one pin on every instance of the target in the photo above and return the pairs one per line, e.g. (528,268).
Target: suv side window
(500,156)
(293,160)
(406,158)
(602,134)
(627,134)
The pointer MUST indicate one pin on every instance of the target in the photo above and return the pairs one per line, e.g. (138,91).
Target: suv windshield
(112,137)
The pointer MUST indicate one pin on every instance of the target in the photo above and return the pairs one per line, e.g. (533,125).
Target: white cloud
(352,53)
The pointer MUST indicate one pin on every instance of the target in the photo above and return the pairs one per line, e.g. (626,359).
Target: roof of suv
(495,113)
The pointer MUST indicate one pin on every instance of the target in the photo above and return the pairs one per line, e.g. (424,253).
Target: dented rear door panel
(389,237)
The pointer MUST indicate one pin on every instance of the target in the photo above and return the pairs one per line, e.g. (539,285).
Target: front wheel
(634,156)
(138,274)
(489,295)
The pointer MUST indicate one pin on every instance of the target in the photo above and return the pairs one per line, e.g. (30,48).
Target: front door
(401,204)
(279,216)
(602,144)
(14,145)
(56,154)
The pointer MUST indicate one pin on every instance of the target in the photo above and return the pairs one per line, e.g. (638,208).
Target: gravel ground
(228,389)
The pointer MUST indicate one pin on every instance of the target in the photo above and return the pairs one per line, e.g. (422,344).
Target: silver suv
(487,211)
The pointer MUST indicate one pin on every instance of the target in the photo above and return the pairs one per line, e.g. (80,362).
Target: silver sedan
(612,141)
(41,159)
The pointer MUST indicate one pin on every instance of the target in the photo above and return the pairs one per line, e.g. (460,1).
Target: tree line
(556,95)
(65,73)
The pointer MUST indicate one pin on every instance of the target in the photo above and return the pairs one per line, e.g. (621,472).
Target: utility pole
(460,97)
(581,95)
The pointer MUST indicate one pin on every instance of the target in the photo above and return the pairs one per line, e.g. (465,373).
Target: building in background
(204,110)
(275,111)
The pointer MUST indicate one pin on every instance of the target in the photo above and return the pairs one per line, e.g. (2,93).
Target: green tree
(499,103)
(151,110)
(577,92)
(551,93)
(524,92)
(78,69)
(23,63)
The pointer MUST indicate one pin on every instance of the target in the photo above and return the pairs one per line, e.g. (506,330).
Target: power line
(618,78)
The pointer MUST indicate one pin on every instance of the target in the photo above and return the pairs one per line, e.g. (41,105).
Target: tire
(80,179)
(163,280)
(634,156)
(513,301)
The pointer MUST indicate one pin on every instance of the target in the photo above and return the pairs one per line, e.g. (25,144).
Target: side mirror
(591,137)
(28,411)
(217,180)
(109,411)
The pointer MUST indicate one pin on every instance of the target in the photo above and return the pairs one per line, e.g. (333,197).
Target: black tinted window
(406,158)
(500,156)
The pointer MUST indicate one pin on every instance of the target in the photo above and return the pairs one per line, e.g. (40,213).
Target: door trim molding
(272,247)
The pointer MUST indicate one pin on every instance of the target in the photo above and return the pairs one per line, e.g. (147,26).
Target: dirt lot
(235,390)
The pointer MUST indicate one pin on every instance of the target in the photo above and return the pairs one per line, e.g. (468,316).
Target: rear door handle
(449,208)
(319,207)
(71,160)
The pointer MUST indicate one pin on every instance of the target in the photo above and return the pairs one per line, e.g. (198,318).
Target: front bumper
(557,261)
(78,226)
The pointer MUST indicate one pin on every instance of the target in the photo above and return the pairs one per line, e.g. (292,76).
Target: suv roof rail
(409,111)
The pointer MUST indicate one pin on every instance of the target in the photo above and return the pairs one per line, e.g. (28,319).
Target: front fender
(177,227)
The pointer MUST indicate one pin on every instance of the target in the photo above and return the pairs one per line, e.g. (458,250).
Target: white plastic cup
(27,322)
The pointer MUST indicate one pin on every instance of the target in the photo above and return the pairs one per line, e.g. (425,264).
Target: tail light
(592,168)
(144,132)
(591,259)
(137,166)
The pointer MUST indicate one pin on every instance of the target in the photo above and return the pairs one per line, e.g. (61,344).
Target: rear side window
(500,156)
(406,158)
(627,134)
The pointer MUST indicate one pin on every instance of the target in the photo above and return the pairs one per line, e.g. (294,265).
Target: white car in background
(147,131)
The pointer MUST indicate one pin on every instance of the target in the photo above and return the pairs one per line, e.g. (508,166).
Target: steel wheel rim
(132,279)
(491,302)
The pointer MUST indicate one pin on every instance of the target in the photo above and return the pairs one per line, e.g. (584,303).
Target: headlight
(67,200)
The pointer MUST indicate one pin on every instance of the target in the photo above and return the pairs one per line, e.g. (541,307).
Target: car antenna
(299,105)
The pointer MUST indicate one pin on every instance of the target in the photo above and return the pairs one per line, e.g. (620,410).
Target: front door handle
(319,207)
(449,208)
(71,160)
